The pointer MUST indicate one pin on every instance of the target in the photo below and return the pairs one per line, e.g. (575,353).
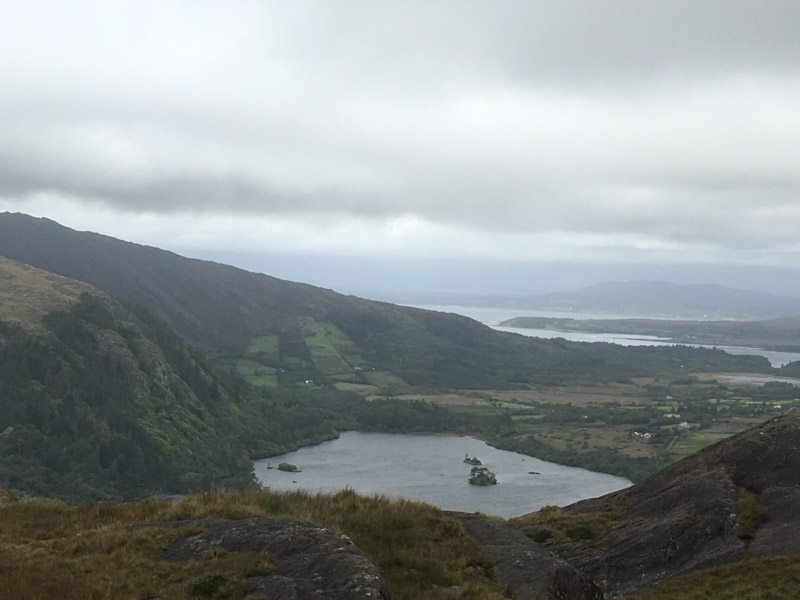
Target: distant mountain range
(652,299)
(659,298)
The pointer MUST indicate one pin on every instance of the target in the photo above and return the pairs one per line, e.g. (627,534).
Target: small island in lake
(474,460)
(284,466)
(482,476)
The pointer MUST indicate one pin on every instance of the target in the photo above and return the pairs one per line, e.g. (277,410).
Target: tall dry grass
(51,550)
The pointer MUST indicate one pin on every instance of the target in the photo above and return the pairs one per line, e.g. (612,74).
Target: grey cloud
(569,42)
(673,121)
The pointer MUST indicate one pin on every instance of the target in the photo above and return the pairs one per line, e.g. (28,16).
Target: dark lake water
(431,469)
(493,316)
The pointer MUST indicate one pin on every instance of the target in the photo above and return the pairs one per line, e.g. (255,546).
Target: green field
(364,389)
(256,373)
(629,428)
(323,341)
(266,345)
(695,440)
(385,380)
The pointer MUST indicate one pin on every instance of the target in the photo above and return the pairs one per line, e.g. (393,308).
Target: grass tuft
(52,550)
(553,522)
(750,579)
(751,514)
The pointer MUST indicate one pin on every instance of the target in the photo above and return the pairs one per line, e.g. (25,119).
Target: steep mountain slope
(659,298)
(738,499)
(98,401)
(277,331)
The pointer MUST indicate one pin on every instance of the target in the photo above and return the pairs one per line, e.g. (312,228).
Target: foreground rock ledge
(529,571)
(312,562)
(688,516)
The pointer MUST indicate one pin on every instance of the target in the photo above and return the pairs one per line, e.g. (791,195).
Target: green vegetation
(751,579)
(631,429)
(776,334)
(49,549)
(553,522)
(257,374)
(751,514)
(233,314)
(28,294)
(112,562)
(104,402)
(328,347)
(263,344)
(424,348)
(385,381)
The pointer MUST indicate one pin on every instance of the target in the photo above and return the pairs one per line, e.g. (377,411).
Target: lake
(493,316)
(431,469)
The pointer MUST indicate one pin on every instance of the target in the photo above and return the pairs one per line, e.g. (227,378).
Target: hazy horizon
(376,147)
(392,278)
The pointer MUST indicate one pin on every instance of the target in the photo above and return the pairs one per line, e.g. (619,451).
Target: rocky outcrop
(529,571)
(482,476)
(692,514)
(311,562)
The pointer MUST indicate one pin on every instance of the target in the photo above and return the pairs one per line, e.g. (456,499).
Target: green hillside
(278,332)
(99,401)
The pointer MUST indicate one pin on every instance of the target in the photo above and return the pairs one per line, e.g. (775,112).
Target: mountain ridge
(293,332)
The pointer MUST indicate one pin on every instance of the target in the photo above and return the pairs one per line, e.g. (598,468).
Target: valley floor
(630,429)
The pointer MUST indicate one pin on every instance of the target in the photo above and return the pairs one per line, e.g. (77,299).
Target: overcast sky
(594,131)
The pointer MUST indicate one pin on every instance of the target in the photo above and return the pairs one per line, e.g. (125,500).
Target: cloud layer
(555,130)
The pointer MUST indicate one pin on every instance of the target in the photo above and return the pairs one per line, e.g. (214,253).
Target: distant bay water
(432,469)
(493,316)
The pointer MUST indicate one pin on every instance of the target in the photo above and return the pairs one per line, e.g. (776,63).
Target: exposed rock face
(688,515)
(311,562)
(529,571)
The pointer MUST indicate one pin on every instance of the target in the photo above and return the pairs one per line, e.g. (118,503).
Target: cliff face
(739,498)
